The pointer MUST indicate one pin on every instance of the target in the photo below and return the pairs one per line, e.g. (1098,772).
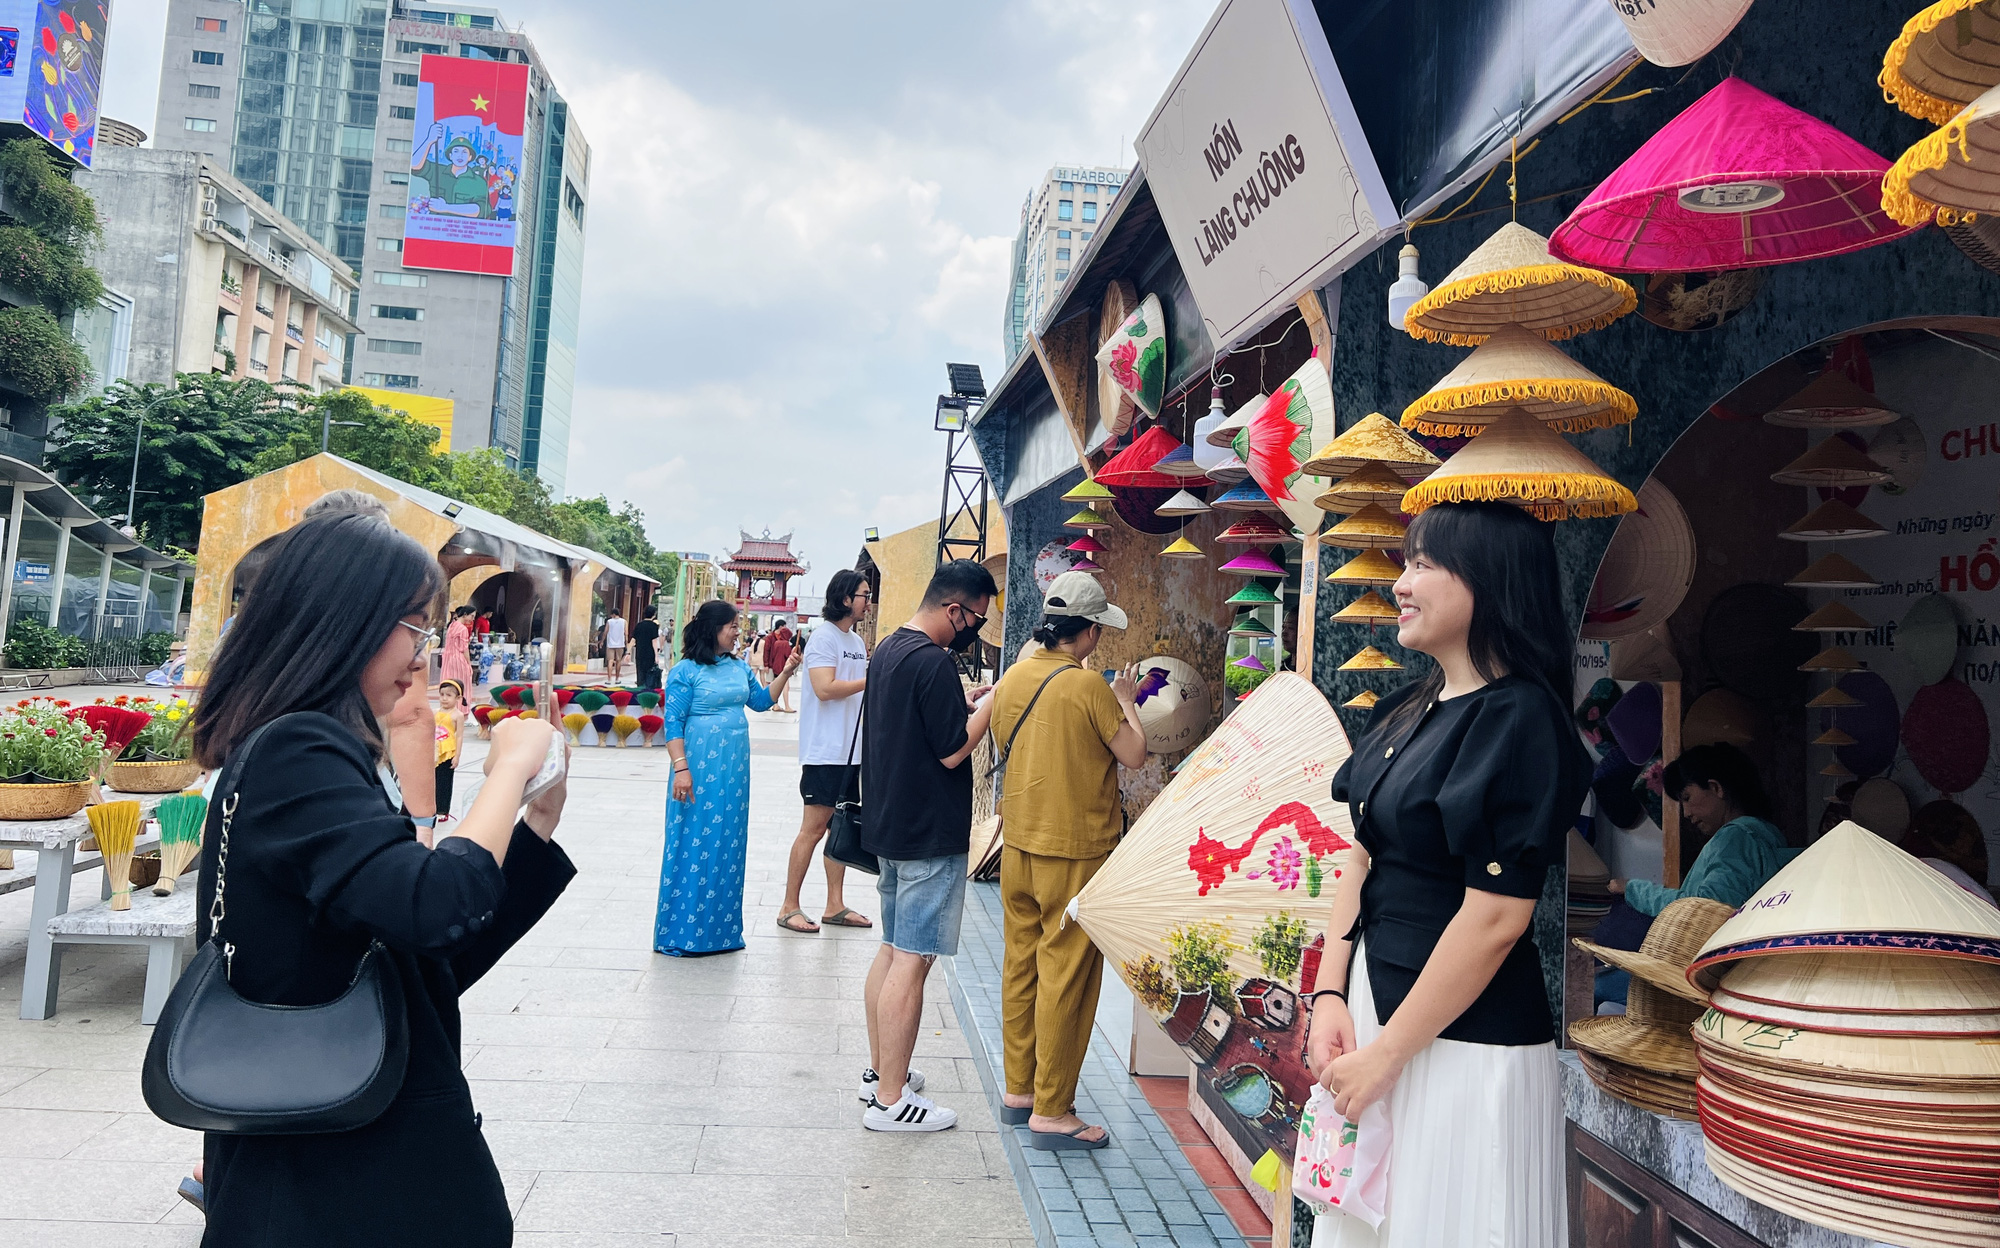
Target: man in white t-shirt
(836,663)
(614,648)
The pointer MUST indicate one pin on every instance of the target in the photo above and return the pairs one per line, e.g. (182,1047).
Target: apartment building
(1057,219)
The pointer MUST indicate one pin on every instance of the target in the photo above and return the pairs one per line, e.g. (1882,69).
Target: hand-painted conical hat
(1374,439)
(1946,57)
(1225,880)
(1854,890)
(1279,438)
(1368,567)
(1370,483)
(1173,704)
(1917,1061)
(1256,529)
(1225,433)
(1511,279)
(1680,32)
(1134,357)
(1514,369)
(1519,460)
(1646,571)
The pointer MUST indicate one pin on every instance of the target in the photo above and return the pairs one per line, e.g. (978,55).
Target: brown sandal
(784,921)
(844,917)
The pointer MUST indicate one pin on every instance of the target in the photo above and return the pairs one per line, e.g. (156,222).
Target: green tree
(482,478)
(367,433)
(622,534)
(199,435)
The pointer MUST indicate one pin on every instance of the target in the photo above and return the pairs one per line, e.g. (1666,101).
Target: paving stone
(1102,1211)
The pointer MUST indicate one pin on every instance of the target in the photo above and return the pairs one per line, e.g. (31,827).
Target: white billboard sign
(1259,166)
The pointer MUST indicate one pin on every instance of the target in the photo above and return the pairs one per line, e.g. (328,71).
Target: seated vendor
(1720,797)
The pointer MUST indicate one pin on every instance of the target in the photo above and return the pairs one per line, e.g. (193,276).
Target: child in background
(450,726)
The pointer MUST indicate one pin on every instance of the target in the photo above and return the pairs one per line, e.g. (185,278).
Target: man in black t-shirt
(921,727)
(644,635)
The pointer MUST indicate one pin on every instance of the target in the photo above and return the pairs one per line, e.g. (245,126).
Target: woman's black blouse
(320,862)
(1481,794)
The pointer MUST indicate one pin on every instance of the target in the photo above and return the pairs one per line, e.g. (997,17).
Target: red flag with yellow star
(465,165)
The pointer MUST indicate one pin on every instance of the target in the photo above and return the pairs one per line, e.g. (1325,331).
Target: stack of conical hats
(1849,1059)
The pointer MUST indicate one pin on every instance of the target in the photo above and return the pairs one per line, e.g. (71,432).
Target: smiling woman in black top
(1462,789)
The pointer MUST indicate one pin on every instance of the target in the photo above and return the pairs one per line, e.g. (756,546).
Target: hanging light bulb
(1206,456)
(1408,288)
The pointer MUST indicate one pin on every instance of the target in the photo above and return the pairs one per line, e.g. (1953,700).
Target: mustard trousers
(1050,981)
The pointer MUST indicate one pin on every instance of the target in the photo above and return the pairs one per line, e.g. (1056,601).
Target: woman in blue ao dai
(708,813)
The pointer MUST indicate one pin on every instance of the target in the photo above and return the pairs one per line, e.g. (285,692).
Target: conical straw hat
(1132,468)
(1835,738)
(1373,527)
(1363,701)
(1863,982)
(1181,548)
(1920,1061)
(1370,483)
(1946,57)
(1369,608)
(1834,461)
(1837,770)
(1179,462)
(1668,1095)
(1646,570)
(1088,519)
(1087,545)
(1088,491)
(1833,698)
(1255,529)
(1253,562)
(1515,369)
(1249,496)
(1832,521)
(1181,504)
(1834,617)
(1370,567)
(1369,659)
(1830,401)
(1680,32)
(1248,625)
(1374,439)
(1670,944)
(1834,571)
(1253,594)
(1246,831)
(1854,888)
(1518,460)
(1586,863)
(1951,175)
(1086,564)
(1873,1218)
(1832,659)
(1855,1024)
(1252,662)
(1510,279)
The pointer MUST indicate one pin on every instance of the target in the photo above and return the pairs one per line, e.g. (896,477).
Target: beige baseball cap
(1078,593)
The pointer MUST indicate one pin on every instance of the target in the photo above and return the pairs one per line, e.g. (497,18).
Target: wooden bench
(164,925)
(22,876)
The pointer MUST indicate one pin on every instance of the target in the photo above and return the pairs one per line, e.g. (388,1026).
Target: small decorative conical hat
(1856,890)
(1832,659)
(1946,57)
(1369,659)
(1252,662)
(1181,548)
(1255,529)
(1834,738)
(1085,563)
(1253,562)
(1363,701)
(1519,460)
(1087,545)
(1515,369)
(1511,279)
(1834,617)
(1179,462)
(1088,519)
(1834,571)
(1373,527)
(1833,699)
(1248,496)
(1248,625)
(1370,483)
(1369,608)
(1088,491)
(1836,770)
(1834,462)
(1832,521)
(1253,594)
(1374,439)
(1181,504)
(1370,567)
(1830,401)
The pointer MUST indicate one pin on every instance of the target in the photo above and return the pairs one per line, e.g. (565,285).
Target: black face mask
(962,640)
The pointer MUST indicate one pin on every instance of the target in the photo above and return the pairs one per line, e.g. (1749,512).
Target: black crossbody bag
(843,834)
(222,1064)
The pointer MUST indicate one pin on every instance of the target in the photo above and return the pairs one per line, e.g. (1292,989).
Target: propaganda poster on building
(465,166)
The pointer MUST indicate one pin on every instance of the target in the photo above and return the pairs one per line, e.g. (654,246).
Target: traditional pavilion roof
(764,554)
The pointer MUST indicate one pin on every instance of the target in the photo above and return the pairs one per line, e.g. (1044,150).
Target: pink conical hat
(1253,563)
(1768,184)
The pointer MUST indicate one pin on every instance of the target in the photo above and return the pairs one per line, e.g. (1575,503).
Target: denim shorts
(923,900)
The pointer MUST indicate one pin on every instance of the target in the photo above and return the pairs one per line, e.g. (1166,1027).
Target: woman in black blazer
(336,628)
(1462,788)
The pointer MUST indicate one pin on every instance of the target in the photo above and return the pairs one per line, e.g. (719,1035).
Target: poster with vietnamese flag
(465,166)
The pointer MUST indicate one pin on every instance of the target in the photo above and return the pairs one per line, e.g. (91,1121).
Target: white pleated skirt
(1475,1151)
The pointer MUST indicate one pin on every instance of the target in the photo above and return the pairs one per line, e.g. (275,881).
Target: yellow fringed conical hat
(1519,460)
(1511,279)
(1370,483)
(1374,439)
(1946,57)
(1511,370)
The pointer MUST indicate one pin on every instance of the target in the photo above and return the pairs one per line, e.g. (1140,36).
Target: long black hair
(1507,558)
(331,591)
(1719,763)
(698,637)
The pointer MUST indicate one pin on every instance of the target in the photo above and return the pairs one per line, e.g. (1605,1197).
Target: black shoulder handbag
(843,834)
(222,1064)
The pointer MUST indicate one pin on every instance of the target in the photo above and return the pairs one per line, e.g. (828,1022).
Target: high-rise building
(313,103)
(1057,219)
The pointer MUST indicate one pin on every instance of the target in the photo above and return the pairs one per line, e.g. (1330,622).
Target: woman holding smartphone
(1462,788)
(321,863)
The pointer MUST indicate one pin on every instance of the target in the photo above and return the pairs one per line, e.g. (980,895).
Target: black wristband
(1330,992)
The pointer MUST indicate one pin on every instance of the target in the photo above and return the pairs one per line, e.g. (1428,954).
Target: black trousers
(445,771)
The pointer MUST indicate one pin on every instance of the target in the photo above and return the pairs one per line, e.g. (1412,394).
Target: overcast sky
(799,211)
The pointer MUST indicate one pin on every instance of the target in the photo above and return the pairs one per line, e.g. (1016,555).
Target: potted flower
(157,759)
(47,761)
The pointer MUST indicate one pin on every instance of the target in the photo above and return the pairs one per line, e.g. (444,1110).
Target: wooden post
(1670,810)
(1308,606)
(1281,1208)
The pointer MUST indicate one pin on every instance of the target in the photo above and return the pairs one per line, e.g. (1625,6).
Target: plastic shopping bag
(1343,1166)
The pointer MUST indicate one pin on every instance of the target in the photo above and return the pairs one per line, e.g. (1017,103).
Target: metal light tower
(964,473)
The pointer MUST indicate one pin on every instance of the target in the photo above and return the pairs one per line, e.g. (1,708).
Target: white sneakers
(915,1112)
(871,1083)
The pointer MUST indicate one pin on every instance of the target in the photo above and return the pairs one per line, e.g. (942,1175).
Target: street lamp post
(138,440)
(326,424)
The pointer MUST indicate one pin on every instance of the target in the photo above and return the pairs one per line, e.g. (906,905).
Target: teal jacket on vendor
(1738,859)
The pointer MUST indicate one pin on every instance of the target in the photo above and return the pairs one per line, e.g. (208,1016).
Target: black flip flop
(1067,1141)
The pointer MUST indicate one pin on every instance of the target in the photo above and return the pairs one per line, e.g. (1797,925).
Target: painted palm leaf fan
(181,818)
(1280,436)
(116,827)
(1210,907)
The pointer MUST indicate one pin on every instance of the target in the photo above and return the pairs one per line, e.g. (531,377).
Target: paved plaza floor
(630,1099)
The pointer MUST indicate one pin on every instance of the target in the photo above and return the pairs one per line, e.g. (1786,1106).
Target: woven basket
(43,801)
(163,777)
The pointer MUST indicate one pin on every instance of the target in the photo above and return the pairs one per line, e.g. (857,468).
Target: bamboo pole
(1670,810)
